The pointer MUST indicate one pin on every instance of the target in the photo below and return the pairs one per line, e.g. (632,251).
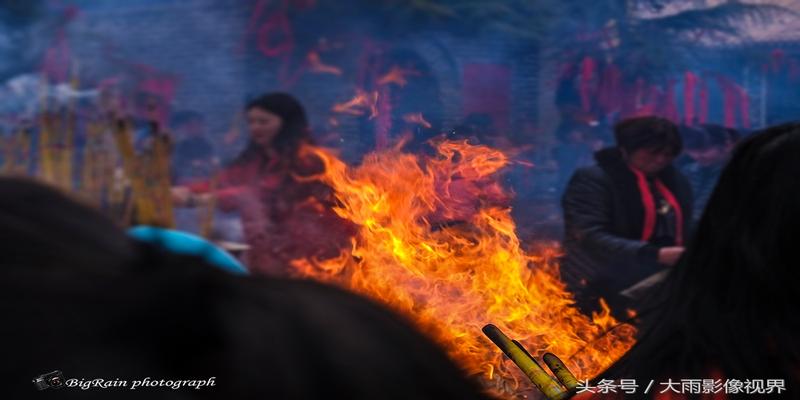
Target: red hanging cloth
(669,109)
(588,73)
(689,85)
(703,100)
(609,91)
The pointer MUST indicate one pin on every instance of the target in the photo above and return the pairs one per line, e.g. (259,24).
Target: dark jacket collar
(628,203)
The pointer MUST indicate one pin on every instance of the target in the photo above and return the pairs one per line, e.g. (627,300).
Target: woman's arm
(224,189)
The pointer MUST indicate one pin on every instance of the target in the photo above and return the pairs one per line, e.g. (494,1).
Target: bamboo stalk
(551,388)
(46,158)
(161,171)
(145,209)
(207,222)
(115,181)
(45,164)
(24,137)
(90,182)
(16,150)
(7,149)
(70,122)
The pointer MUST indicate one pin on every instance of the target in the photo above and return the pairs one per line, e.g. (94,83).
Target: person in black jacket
(626,218)
(709,147)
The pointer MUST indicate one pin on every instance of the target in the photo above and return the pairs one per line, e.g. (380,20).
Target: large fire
(451,268)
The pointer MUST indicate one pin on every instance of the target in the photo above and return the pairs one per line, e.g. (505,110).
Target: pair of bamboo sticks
(562,387)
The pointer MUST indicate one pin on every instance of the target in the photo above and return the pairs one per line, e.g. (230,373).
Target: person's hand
(670,255)
(180,195)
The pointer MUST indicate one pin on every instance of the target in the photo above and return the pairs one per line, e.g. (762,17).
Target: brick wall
(203,43)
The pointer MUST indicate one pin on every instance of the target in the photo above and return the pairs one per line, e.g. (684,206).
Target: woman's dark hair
(44,228)
(648,133)
(177,318)
(293,133)
(77,295)
(730,305)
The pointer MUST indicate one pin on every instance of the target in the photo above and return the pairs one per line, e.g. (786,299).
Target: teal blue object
(189,244)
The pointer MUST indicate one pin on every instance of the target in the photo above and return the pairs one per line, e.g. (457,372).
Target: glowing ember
(417,118)
(397,76)
(360,104)
(462,272)
(316,65)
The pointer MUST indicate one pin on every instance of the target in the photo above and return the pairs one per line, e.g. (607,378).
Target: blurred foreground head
(44,229)
(166,316)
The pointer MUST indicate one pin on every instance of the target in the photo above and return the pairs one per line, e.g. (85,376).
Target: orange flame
(397,76)
(316,65)
(452,278)
(359,104)
(417,118)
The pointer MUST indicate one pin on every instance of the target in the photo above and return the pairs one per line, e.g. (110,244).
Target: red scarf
(649,203)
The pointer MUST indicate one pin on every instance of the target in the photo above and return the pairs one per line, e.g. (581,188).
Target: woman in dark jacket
(626,218)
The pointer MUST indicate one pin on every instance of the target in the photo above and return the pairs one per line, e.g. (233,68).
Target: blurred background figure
(708,148)
(284,217)
(627,217)
(192,155)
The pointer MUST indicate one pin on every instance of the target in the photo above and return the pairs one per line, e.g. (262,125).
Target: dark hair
(46,229)
(180,319)
(294,130)
(79,296)
(730,305)
(648,133)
